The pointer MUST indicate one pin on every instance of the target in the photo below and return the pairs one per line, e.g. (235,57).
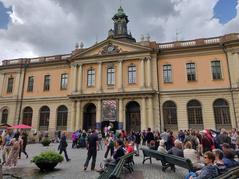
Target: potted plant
(47,161)
(46,141)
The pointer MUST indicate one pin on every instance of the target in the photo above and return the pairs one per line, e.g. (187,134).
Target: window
(64,81)
(10,85)
(167,73)
(194,111)
(191,73)
(216,70)
(30,83)
(170,115)
(44,118)
(27,116)
(62,113)
(111,76)
(221,114)
(132,74)
(4,116)
(91,77)
(46,83)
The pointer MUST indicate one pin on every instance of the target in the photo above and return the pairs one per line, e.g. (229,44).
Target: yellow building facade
(126,84)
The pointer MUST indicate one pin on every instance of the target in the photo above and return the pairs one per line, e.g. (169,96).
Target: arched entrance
(133,116)
(89,121)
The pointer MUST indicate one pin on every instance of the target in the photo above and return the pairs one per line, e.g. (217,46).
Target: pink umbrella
(20,126)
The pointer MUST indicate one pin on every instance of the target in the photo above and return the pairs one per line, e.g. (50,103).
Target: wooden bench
(114,171)
(232,173)
(167,160)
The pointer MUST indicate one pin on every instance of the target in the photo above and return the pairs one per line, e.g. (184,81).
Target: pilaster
(150,113)
(143,114)
(142,80)
(74,80)
(149,75)
(79,87)
(99,77)
(120,75)
(121,119)
(73,115)
(98,115)
(78,117)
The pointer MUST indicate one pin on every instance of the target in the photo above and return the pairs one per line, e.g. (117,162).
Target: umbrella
(20,126)
(4,126)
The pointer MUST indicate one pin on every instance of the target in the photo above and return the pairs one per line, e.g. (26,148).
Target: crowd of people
(12,145)
(211,152)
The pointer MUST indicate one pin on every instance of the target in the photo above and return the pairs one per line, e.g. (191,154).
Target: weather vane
(120,2)
(177,34)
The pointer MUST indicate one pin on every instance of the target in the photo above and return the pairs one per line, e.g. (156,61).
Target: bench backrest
(179,161)
(117,170)
(232,173)
(168,158)
(153,153)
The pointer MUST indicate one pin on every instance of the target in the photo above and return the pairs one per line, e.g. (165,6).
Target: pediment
(111,47)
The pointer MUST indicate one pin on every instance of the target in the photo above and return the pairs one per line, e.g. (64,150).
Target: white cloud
(48,27)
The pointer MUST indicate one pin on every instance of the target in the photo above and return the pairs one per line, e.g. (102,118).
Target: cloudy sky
(30,28)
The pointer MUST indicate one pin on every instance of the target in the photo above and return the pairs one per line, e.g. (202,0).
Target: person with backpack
(14,152)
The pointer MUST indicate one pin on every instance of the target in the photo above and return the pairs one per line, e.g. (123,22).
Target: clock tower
(120,31)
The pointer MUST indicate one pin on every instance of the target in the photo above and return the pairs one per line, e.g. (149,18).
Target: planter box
(46,166)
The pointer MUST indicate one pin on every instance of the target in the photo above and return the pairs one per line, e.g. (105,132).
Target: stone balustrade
(199,42)
(35,60)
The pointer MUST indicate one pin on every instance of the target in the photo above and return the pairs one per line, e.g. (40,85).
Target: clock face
(110,48)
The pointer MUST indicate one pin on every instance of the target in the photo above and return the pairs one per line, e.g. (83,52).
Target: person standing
(92,145)
(6,145)
(24,144)
(137,142)
(14,152)
(63,145)
(149,136)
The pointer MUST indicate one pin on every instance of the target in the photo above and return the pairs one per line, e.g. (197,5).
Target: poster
(109,110)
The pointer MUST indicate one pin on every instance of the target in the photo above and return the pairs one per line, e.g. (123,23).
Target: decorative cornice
(113,95)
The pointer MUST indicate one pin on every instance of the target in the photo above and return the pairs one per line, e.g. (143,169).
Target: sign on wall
(109,110)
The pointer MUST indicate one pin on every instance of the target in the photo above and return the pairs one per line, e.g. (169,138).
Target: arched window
(221,114)
(4,116)
(62,113)
(170,115)
(44,118)
(27,116)
(195,119)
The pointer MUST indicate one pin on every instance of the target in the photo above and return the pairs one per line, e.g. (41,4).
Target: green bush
(48,157)
(46,141)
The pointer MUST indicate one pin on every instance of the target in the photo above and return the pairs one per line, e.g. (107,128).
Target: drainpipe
(230,83)
(160,122)
(25,65)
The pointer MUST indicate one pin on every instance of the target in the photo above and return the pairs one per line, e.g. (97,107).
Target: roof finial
(77,45)
(177,34)
(81,45)
(142,37)
(147,37)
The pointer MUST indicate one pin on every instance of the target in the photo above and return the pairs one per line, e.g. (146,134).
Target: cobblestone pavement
(74,168)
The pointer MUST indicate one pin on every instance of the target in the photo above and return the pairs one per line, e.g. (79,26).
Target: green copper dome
(120,15)
(120,12)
